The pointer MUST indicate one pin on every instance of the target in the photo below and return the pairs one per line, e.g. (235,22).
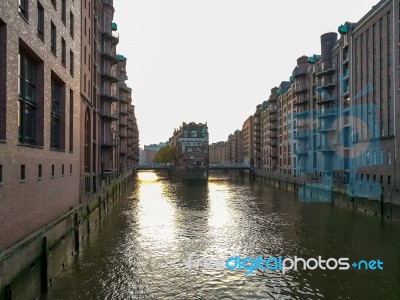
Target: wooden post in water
(43,270)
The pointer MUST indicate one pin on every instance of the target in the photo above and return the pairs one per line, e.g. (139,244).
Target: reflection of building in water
(191,142)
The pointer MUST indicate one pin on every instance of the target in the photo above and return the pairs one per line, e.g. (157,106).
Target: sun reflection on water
(155,212)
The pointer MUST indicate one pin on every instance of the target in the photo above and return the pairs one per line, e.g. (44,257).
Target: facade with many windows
(39,122)
(68,131)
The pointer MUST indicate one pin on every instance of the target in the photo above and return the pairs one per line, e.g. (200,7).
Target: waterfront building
(39,115)
(150,150)
(336,117)
(235,147)
(68,132)
(248,141)
(191,142)
(218,152)
(285,100)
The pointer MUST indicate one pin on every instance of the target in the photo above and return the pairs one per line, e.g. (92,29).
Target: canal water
(142,250)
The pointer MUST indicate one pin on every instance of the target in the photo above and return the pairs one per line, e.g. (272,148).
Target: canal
(142,249)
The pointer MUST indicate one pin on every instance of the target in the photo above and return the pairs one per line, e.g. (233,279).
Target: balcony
(111,36)
(272,142)
(123,110)
(272,109)
(300,101)
(273,118)
(301,152)
(274,153)
(123,122)
(123,86)
(326,84)
(302,123)
(109,142)
(109,95)
(107,114)
(325,68)
(325,98)
(109,75)
(326,113)
(272,134)
(273,126)
(300,88)
(258,141)
(258,147)
(301,114)
(326,148)
(299,72)
(123,150)
(301,135)
(110,56)
(325,125)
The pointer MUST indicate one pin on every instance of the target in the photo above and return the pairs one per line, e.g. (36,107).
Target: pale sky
(214,60)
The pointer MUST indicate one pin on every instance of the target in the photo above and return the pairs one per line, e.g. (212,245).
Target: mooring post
(43,270)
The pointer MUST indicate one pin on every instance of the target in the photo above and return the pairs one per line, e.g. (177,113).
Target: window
(389,180)
(56,107)
(62,170)
(85,27)
(54,3)
(71,62)
(71,24)
(63,52)
(53,38)
(381,179)
(84,56)
(1,174)
(27,99)
(40,172)
(52,170)
(71,120)
(389,158)
(40,21)
(70,169)
(22,172)
(23,8)
(63,11)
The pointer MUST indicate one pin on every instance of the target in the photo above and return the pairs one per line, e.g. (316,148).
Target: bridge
(220,166)
(151,166)
(229,166)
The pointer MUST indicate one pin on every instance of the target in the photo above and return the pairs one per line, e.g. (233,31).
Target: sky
(214,60)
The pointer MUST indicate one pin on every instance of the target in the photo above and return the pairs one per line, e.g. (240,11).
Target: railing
(299,72)
(300,88)
(108,113)
(300,100)
(325,68)
(301,135)
(109,142)
(326,112)
(109,95)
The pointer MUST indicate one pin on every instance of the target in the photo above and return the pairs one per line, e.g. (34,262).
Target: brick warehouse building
(337,117)
(68,133)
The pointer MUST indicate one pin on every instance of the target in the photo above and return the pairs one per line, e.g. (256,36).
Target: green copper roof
(313,59)
(343,29)
(114,26)
(121,57)
(291,79)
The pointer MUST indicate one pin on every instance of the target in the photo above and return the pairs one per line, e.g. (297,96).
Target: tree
(166,154)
